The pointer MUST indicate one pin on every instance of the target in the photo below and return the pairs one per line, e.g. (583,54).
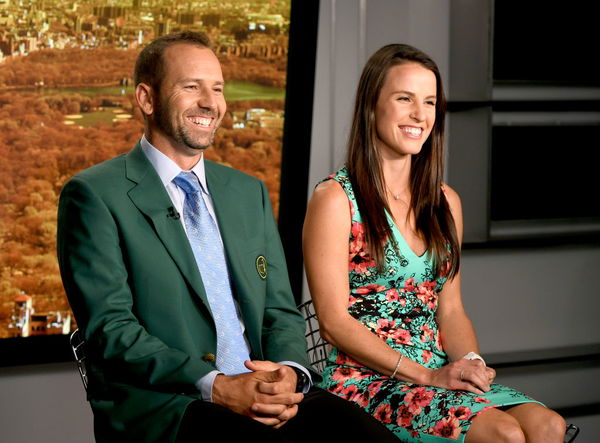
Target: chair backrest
(78,346)
(318,349)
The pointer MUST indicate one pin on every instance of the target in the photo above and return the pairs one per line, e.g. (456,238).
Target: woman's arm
(325,245)
(456,330)
(458,335)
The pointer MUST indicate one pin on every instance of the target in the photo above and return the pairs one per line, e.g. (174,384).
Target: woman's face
(405,110)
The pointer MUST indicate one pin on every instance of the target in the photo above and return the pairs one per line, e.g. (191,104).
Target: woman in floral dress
(382,255)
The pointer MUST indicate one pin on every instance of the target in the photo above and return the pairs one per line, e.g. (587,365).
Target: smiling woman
(382,252)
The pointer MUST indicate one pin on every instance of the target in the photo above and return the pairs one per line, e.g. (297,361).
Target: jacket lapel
(225,196)
(151,198)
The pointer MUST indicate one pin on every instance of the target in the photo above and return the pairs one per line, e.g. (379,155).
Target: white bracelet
(397,365)
(474,356)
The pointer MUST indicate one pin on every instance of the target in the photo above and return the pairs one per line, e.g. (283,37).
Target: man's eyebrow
(199,80)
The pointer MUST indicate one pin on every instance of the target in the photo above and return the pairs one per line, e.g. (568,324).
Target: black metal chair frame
(318,349)
(78,347)
(572,433)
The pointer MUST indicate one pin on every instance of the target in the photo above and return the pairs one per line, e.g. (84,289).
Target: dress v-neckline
(399,235)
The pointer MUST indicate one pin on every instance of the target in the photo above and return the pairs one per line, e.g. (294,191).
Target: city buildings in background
(66,103)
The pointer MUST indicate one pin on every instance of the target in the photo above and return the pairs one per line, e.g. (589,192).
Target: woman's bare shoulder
(329,192)
(452,197)
(455,207)
(329,202)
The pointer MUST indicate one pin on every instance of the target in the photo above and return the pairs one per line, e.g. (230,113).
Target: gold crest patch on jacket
(261,266)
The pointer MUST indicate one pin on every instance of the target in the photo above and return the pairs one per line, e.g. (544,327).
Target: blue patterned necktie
(204,238)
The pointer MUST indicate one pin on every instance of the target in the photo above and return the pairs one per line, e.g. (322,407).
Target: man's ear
(145,98)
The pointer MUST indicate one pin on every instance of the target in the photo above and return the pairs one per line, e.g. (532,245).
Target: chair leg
(572,432)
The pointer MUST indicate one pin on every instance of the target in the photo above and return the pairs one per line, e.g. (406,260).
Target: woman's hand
(491,374)
(466,375)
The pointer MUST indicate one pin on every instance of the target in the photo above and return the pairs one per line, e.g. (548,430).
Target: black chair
(318,351)
(78,347)
(572,432)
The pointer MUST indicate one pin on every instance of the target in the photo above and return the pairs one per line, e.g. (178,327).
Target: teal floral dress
(399,306)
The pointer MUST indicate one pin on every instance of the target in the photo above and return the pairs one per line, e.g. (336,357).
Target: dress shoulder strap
(343,179)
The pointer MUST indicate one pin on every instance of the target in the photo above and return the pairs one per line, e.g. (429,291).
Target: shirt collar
(167,169)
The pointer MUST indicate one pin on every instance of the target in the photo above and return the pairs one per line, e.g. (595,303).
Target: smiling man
(175,271)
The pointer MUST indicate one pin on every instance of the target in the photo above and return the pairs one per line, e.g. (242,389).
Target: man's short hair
(149,66)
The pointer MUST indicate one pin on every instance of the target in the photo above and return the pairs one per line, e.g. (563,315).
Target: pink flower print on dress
(336,389)
(404,417)
(391,295)
(373,388)
(388,329)
(369,289)
(438,341)
(462,412)
(348,391)
(426,355)
(343,373)
(359,260)
(417,398)
(352,211)
(428,334)
(345,360)
(409,286)
(360,400)
(426,294)
(447,427)
(383,413)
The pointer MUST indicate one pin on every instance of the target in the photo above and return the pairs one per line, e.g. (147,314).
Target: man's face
(190,105)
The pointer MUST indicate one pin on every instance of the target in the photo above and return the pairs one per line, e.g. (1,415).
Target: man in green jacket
(176,274)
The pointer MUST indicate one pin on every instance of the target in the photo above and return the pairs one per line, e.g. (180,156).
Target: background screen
(66,103)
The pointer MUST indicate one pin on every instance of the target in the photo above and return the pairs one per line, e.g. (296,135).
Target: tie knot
(187,181)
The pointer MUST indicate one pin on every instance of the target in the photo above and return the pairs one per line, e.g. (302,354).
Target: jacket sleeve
(284,328)
(97,284)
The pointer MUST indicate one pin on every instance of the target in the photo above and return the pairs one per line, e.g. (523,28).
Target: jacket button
(210,358)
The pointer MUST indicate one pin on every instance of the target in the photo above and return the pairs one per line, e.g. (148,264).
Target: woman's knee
(509,431)
(551,425)
(539,422)
(495,426)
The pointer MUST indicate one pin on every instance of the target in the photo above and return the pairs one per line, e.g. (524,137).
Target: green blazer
(132,281)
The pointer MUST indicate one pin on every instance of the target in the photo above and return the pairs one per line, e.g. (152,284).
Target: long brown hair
(434,220)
